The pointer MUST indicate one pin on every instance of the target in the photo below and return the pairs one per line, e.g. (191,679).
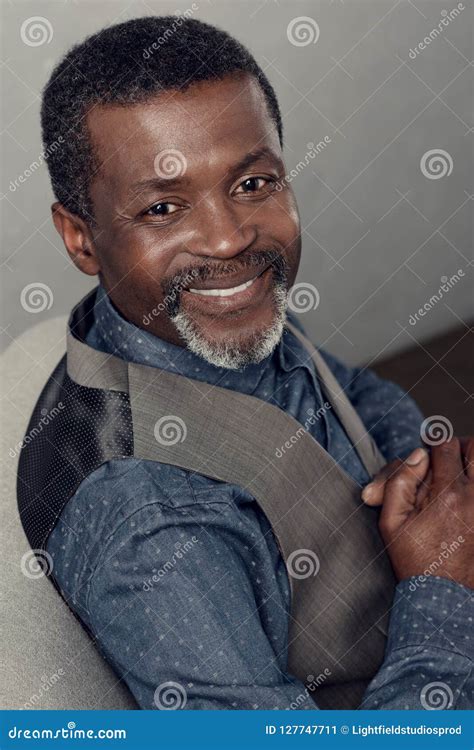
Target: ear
(77,239)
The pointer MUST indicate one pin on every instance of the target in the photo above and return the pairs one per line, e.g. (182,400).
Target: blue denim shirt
(179,579)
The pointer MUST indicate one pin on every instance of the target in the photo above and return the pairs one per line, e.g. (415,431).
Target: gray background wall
(378,233)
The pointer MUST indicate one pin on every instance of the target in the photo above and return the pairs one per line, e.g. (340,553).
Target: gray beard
(235,354)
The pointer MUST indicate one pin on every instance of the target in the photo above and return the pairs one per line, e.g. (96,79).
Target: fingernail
(367,492)
(416,457)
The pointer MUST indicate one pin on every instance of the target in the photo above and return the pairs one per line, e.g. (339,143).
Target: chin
(234,348)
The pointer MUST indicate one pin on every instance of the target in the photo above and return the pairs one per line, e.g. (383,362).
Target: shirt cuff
(435,612)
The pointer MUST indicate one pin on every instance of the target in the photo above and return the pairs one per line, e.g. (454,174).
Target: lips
(217,300)
(224,291)
(229,281)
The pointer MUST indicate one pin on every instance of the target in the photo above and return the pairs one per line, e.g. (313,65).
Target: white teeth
(222,292)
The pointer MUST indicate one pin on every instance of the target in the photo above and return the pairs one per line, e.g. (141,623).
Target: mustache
(258,260)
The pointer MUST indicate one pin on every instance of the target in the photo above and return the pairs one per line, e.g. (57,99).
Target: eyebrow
(252,157)
(163,183)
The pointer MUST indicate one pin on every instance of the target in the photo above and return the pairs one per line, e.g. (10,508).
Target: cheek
(283,216)
(288,224)
(291,210)
(139,253)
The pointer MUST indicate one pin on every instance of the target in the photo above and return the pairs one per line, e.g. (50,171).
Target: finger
(423,494)
(373,493)
(467,450)
(400,495)
(446,463)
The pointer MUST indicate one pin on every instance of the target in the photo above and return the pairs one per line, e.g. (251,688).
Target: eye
(162,210)
(255,185)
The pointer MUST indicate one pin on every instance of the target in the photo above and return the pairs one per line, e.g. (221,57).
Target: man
(167,190)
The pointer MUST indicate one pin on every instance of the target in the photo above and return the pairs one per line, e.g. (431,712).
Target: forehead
(211,122)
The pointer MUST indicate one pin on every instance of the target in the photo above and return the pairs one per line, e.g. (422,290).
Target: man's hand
(373,493)
(428,505)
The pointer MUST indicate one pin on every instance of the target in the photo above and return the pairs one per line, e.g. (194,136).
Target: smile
(223,292)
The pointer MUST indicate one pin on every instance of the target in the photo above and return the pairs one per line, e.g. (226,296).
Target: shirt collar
(116,335)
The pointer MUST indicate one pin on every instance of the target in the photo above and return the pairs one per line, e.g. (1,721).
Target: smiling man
(178,184)
(173,531)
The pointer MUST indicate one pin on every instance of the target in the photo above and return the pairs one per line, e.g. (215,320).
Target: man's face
(194,241)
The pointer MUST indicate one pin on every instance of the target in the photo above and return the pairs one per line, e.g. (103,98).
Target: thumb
(401,494)
(373,493)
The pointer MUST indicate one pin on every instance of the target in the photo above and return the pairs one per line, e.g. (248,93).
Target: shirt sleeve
(389,414)
(184,631)
(191,612)
(175,610)
(429,657)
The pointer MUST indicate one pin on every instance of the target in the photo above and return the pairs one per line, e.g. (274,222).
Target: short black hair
(126,64)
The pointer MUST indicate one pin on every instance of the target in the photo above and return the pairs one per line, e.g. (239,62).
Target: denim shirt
(179,579)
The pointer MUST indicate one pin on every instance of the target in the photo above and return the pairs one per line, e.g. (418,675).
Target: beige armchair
(48,660)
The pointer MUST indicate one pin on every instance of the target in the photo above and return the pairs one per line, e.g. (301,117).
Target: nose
(220,230)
